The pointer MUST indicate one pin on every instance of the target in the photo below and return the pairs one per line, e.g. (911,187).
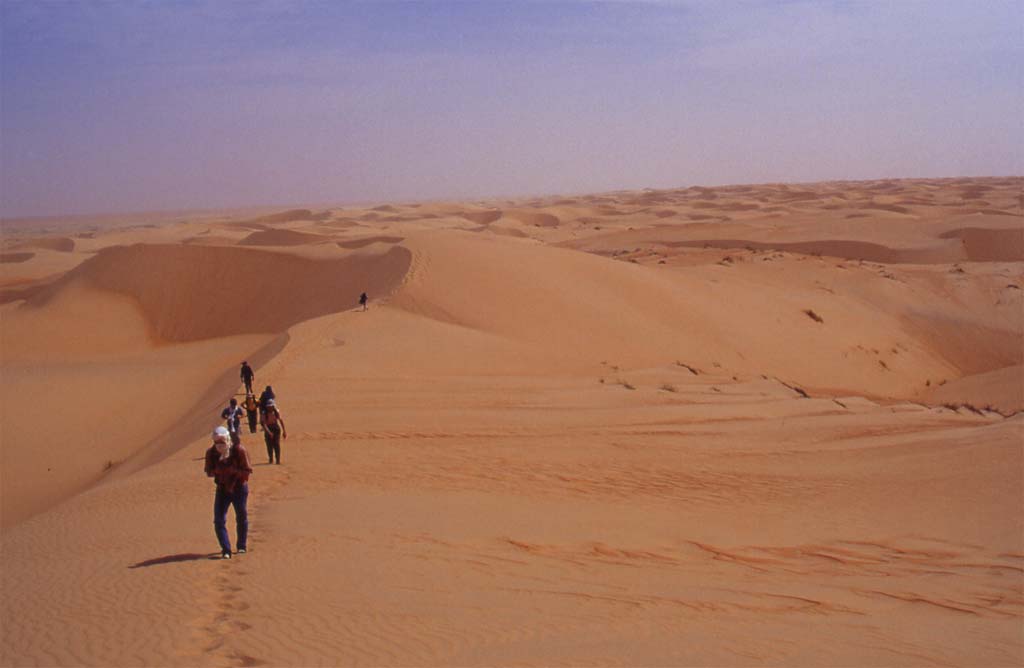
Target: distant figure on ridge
(229,467)
(252,411)
(233,415)
(362,300)
(273,431)
(247,376)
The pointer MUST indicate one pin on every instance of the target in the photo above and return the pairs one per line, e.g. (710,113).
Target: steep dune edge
(197,419)
(190,293)
(77,410)
(988,245)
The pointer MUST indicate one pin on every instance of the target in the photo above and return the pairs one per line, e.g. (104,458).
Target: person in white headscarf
(229,466)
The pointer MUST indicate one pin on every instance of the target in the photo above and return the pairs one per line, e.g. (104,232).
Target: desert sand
(734,426)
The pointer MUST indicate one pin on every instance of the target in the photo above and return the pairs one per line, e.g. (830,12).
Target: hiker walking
(252,411)
(362,300)
(265,396)
(229,467)
(273,431)
(247,376)
(233,417)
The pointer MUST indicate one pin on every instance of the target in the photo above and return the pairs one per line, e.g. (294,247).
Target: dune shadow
(175,558)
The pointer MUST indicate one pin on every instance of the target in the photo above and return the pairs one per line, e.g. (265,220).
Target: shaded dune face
(535,219)
(367,241)
(290,215)
(190,293)
(281,238)
(481,217)
(59,244)
(14,258)
(987,245)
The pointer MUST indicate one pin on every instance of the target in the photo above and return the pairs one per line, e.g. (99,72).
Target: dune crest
(189,292)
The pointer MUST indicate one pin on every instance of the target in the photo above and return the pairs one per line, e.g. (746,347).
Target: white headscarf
(222,441)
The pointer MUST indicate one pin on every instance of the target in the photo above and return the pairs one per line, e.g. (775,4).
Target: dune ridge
(190,293)
(568,429)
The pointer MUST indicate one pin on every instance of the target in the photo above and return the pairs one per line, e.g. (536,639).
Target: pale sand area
(748,425)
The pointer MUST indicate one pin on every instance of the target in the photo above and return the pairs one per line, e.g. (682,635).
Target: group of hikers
(227,460)
(264,409)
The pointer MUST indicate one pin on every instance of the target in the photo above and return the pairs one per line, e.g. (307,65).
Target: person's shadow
(175,558)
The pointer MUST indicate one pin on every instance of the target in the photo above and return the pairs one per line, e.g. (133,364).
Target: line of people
(227,461)
(264,410)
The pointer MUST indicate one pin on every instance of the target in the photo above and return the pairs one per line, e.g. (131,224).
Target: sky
(120,106)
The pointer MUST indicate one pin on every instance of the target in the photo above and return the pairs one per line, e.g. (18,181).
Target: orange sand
(748,425)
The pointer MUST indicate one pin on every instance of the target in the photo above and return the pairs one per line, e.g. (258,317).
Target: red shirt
(231,471)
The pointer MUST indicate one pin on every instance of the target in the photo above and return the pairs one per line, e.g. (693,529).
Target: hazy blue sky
(131,106)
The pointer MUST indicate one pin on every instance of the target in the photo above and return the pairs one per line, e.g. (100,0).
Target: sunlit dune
(768,424)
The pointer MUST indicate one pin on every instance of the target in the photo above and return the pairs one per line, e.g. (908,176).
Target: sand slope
(748,425)
(190,293)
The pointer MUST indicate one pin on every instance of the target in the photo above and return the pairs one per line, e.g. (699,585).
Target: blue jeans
(237,498)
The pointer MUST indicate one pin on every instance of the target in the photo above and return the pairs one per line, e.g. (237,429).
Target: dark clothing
(233,416)
(247,377)
(237,498)
(272,436)
(264,397)
(252,411)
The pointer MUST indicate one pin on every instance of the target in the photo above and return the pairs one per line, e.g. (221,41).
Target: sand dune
(9,258)
(1000,390)
(367,241)
(850,250)
(536,219)
(987,245)
(211,240)
(190,293)
(59,244)
(287,217)
(644,319)
(281,238)
(482,217)
(685,426)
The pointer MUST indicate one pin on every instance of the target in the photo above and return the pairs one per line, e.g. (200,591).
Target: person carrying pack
(252,411)
(233,416)
(273,431)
